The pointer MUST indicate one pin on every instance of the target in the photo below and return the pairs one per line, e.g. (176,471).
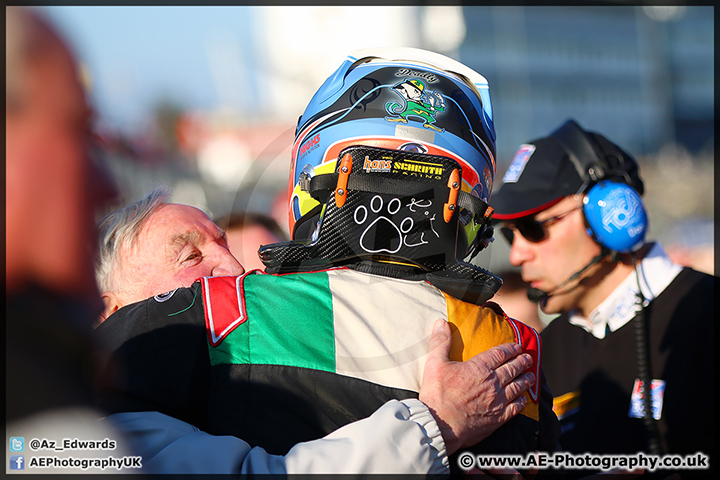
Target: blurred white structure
(302,46)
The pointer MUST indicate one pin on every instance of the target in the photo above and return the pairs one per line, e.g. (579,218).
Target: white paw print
(394,236)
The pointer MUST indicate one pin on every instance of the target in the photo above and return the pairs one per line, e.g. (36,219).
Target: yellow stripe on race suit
(478,328)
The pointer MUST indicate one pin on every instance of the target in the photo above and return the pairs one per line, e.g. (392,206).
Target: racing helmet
(393,164)
(396,98)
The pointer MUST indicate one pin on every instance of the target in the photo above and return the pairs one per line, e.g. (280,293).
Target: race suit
(281,359)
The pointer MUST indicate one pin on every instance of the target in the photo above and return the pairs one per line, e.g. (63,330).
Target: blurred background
(205,99)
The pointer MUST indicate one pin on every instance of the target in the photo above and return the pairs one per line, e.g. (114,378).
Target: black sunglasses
(533,230)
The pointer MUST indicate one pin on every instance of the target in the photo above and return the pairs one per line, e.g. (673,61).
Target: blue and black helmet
(392,167)
(402,99)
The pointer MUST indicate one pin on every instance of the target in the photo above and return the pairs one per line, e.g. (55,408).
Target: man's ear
(112,305)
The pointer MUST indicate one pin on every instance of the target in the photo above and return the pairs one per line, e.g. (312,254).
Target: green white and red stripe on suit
(289,358)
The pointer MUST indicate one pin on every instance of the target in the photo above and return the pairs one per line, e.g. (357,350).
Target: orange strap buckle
(451,205)
(344,173)
(488,213)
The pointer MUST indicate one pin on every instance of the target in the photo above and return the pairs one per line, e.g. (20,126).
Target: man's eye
(193,256)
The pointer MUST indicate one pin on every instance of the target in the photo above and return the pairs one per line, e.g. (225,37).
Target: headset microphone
(613,210)
(535,295)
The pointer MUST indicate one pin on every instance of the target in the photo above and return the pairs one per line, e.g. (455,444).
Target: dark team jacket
(281,359)
(592,379)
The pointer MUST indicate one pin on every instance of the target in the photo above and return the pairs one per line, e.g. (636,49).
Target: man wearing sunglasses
(571,211)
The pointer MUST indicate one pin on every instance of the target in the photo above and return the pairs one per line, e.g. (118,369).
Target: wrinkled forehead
(172,219)
(166,224)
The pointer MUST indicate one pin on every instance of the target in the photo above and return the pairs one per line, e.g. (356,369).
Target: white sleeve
(400,437)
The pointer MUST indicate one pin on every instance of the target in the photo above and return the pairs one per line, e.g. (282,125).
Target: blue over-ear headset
(616,219)
(614,212)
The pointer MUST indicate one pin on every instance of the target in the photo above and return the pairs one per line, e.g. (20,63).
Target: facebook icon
(17,462)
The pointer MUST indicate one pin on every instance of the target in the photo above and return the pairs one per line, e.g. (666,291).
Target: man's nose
(519,250)
(227,264)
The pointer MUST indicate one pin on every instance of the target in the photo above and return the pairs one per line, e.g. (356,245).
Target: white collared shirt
(656,273)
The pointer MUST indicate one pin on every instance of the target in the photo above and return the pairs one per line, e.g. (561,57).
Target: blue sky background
(138,55)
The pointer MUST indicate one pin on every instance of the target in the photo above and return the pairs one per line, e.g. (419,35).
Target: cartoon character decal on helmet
(416,103)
